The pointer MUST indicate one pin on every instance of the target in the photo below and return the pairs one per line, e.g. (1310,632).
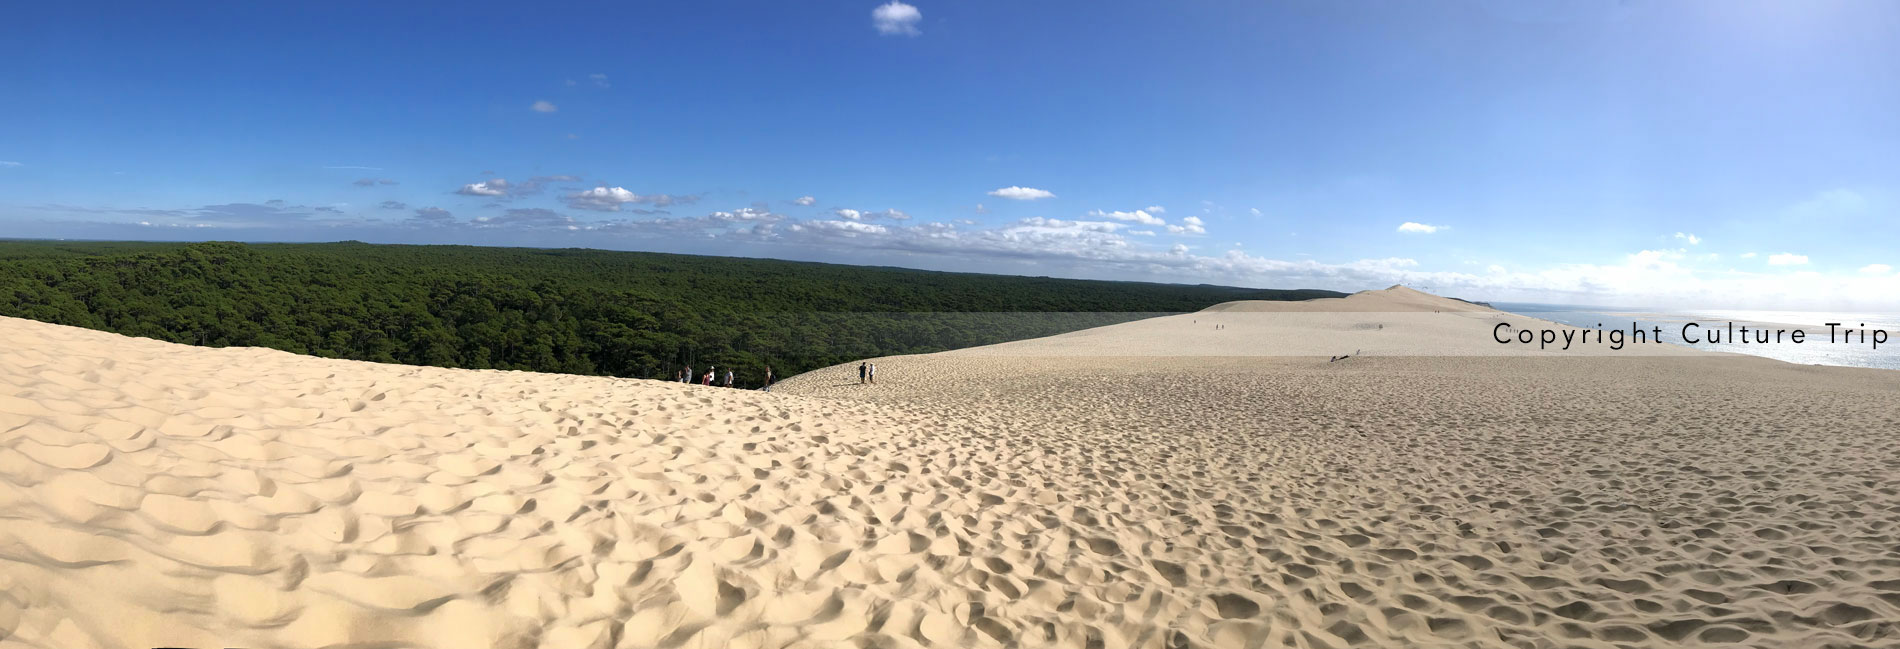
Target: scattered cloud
(860,215)
(1155,209)
(1255,211)
(543,106)
(848,228)
(746,214)
(1420,228)
(1137,216)
(10,163)
(1787,259)
(1875,269)
(609,199)
(1021,193)
(600,80)
(372,182)
(394,205)
(355,168)
(1748,255)
(1692,239)
(806,201)
(896,19)
(980,209)
(496,187)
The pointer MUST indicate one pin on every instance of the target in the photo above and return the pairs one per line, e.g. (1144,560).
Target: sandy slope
(1393,322)
(161,495)
(1259,496)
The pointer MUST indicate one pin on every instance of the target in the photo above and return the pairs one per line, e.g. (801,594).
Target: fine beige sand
(1160,483)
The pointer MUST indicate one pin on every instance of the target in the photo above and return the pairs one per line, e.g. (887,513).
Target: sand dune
(1259,496)
(1041,493)
(1398,321)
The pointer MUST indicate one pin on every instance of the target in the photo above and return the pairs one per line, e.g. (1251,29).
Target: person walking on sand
(873,373)
(768,376)
(687,376)
(861,373)
(711,371)
(728,377)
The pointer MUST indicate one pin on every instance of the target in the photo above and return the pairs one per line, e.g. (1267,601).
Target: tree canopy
(575,311)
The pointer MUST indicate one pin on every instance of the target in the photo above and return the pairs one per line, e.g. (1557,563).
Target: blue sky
(1736,154)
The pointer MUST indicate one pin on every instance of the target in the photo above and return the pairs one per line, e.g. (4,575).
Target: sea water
(1815,350)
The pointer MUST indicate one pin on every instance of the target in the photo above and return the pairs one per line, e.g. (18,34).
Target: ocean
(1814,350)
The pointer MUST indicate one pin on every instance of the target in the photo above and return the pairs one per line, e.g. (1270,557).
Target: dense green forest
(573,311)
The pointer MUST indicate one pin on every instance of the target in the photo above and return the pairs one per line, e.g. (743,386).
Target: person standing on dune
(873,373)
(687,376)
(861,373)
(728,377)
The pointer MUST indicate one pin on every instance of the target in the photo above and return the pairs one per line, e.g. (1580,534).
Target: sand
(1086,490)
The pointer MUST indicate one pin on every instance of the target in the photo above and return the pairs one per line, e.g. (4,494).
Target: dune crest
(1397,298)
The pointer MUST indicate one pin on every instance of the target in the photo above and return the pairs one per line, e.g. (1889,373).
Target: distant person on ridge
(711,372)
(688,375)
(768,376)
(861,374)
(873,374)
(728,377)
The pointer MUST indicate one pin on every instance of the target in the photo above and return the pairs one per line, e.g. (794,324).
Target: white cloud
(1021,193)
(896,19)
(496,187)
(1787,259)
(1193,225)
(1748,255)
(1138,216)
(1692,239)
(1142,233)
(860,215)
(847,227)
(1420,228)
(1875,269)
(1255,210)
(10,163)
(543,106)
(1155,209)
(609,199)
(980,209)
(806,201)
(1178,249)
(745,214)
(600,80)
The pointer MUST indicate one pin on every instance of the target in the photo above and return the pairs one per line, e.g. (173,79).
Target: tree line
(575,311)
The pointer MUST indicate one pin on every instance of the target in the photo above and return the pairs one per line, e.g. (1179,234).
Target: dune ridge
(1242,494)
